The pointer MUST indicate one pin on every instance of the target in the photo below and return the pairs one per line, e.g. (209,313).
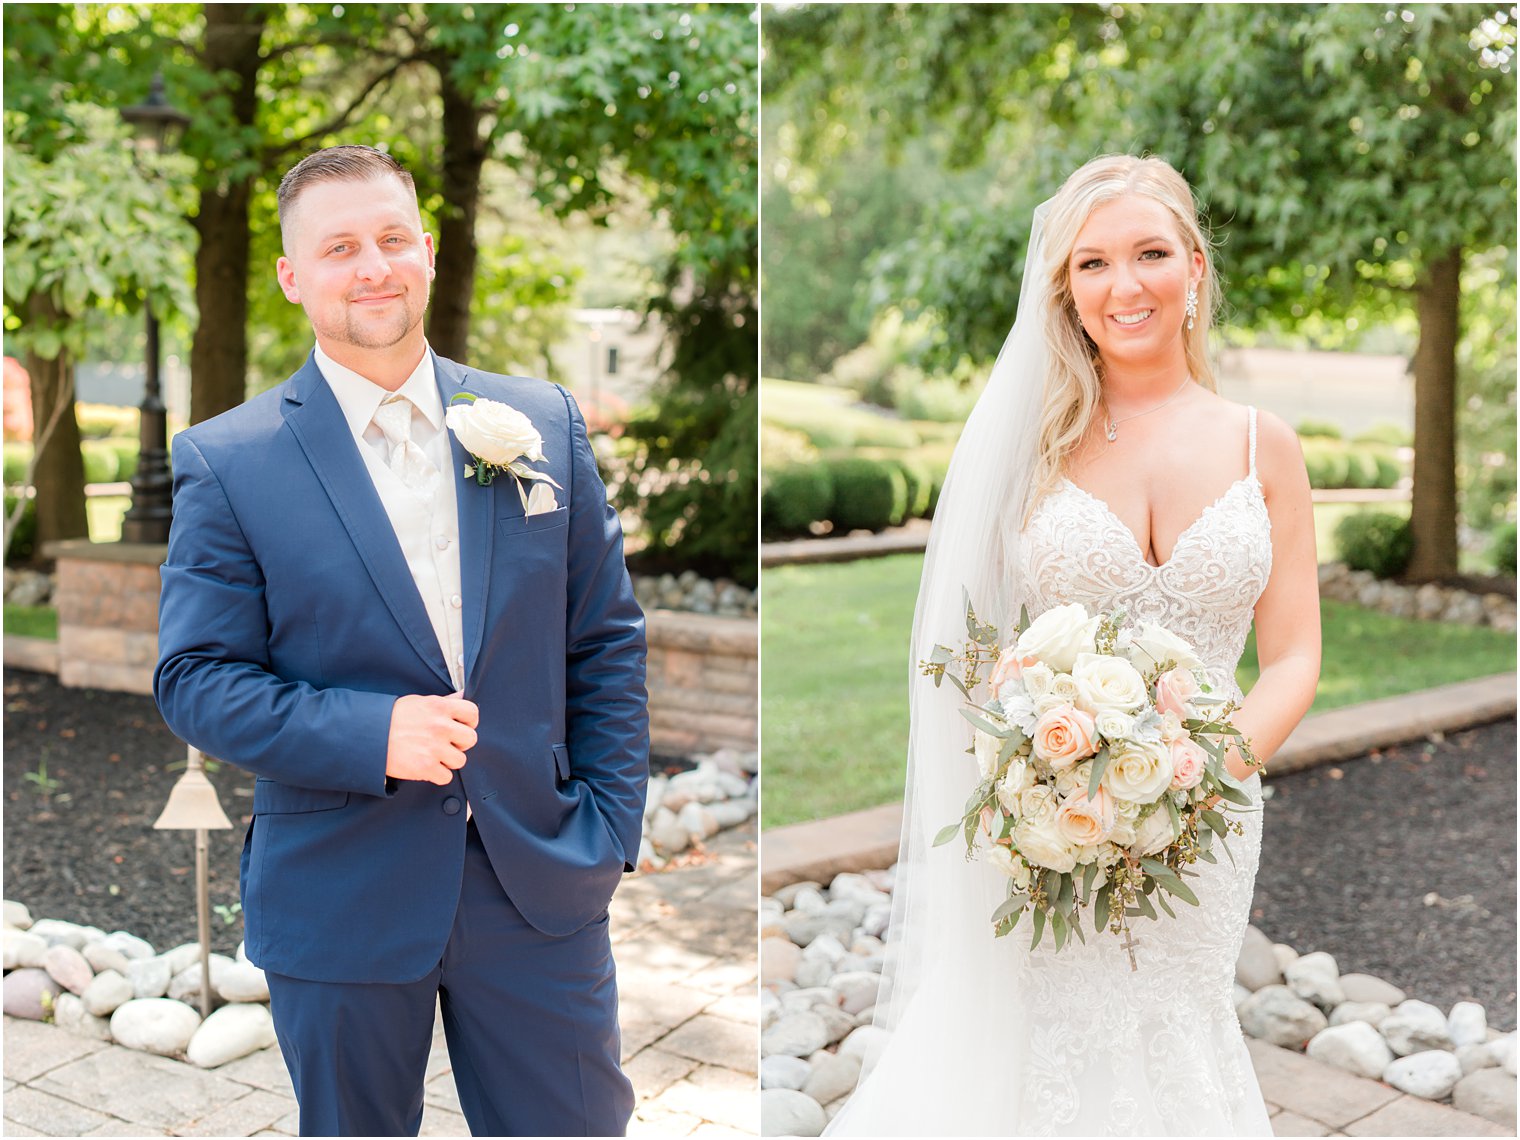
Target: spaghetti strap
(1251,435)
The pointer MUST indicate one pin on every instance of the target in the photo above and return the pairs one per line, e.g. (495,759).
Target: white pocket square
(540,500)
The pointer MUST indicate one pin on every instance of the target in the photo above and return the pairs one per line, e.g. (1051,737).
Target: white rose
(1038,804)
(1073,779)
(1063,691)
(496,433)
(1010,864)
(1040,842)
(1151,646)
(1154,833)
(1018,779)
(987,747)
(1125,814)
(1171,729)
(1107,683)
(1140,772)
(1058,635)
(1113,725)
(1037,679)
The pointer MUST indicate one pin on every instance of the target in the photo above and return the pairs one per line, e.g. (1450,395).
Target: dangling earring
(1192,305)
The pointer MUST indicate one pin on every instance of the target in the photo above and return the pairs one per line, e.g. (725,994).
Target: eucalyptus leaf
(946,834)
(1099,766)
(1039,926)
(1101,905)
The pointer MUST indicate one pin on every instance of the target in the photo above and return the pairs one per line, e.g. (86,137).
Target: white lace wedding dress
(1075,1043)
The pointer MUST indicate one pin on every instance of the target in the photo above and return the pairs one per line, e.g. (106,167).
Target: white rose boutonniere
(502,440)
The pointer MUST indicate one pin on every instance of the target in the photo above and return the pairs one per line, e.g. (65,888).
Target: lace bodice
(1075,550)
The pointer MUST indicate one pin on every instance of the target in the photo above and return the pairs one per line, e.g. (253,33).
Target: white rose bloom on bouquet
(1018,779)
(1114,725)
(1010,864)
(1038,804)
(1063,691)
(1140,772)
(986,747)
(1150,646)
(1154,833)
(1037,679)
(1041,842)
(1171,729)
(1126,814)
(1107,683)
(1074,779)
(1058,635)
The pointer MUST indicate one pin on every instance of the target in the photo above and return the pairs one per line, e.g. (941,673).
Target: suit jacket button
(451,805)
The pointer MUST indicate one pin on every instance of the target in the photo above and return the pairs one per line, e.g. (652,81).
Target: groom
(439,684)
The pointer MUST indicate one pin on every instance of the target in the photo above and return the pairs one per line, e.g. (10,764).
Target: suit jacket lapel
(477,528)
(319,427)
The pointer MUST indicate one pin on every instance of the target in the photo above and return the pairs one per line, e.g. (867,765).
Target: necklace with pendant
(1111,431)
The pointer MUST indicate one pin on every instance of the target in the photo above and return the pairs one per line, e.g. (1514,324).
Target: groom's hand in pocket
(429,737)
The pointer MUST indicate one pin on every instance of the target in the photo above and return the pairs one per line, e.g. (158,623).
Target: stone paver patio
(685,946)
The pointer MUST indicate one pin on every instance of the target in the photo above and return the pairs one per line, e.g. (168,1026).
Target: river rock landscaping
(821,957)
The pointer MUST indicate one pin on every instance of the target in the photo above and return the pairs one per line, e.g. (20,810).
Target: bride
(1101,467)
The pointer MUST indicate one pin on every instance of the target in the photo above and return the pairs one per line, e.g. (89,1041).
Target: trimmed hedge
(795,496)
(126,457)
(18,454)
(916,474)
(1504,548)
(869,494)
(1378,541)
(100,461)
(1334,464)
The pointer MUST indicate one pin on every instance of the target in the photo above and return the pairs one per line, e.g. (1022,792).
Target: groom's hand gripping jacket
(289,624)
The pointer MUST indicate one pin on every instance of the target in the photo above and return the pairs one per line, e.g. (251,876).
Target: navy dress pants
(531,1023)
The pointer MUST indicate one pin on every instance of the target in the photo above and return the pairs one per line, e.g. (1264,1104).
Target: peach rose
(1064,735)
(1188,761)
(1010,665)
(1084,822)
(1174,689)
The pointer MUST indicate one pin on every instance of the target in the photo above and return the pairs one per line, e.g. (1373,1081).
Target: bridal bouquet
(1101,752)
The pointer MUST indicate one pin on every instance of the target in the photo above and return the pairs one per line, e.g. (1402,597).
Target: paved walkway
(685,946)
(1308,1098)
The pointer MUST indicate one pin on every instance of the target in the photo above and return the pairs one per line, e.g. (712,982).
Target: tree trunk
(59,471)
(1433,514)
(219,349)
(464,154)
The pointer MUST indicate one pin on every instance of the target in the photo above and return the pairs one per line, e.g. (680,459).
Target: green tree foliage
(1351,157)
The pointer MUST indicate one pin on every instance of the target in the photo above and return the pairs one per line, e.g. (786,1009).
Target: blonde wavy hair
(1073,379)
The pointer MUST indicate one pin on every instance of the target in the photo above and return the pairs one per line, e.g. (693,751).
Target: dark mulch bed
(1402,864)
(86,851)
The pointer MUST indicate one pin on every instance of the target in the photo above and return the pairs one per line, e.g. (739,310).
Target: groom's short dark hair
(347,163)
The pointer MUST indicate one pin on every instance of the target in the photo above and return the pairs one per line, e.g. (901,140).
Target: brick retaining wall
(704,672)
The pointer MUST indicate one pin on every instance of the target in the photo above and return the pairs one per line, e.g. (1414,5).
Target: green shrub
(17,455)
(100,462)
(1375,540)
(794,496)
(1503,547)
(1361,468)
(1391,435)
(879,431)
(869,494)
(1318,429)
(936,399)
(24,543)
(1327,463)
(916,474)
(1389,472)
(126,457)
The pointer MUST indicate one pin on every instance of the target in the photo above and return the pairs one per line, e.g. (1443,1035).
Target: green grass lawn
(32,621)
(834,645)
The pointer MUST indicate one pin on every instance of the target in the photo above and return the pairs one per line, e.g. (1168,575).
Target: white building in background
(1354,391)
(610,358)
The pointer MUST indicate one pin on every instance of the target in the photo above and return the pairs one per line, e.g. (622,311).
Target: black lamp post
(147,520)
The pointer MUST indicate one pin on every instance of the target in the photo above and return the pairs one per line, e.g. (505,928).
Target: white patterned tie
(405,458)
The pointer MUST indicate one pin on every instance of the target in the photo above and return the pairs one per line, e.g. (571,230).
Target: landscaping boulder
(1431,1073)
(155,1025)
(1355,1046)
(1414,1027)
(1277,1015)
(786,1112)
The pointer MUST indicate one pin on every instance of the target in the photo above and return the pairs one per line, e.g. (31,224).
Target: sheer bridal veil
(941,959)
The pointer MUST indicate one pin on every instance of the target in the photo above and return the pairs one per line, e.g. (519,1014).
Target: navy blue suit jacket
(289,624)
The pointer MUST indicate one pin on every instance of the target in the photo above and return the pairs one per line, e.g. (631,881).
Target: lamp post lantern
(157,125)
